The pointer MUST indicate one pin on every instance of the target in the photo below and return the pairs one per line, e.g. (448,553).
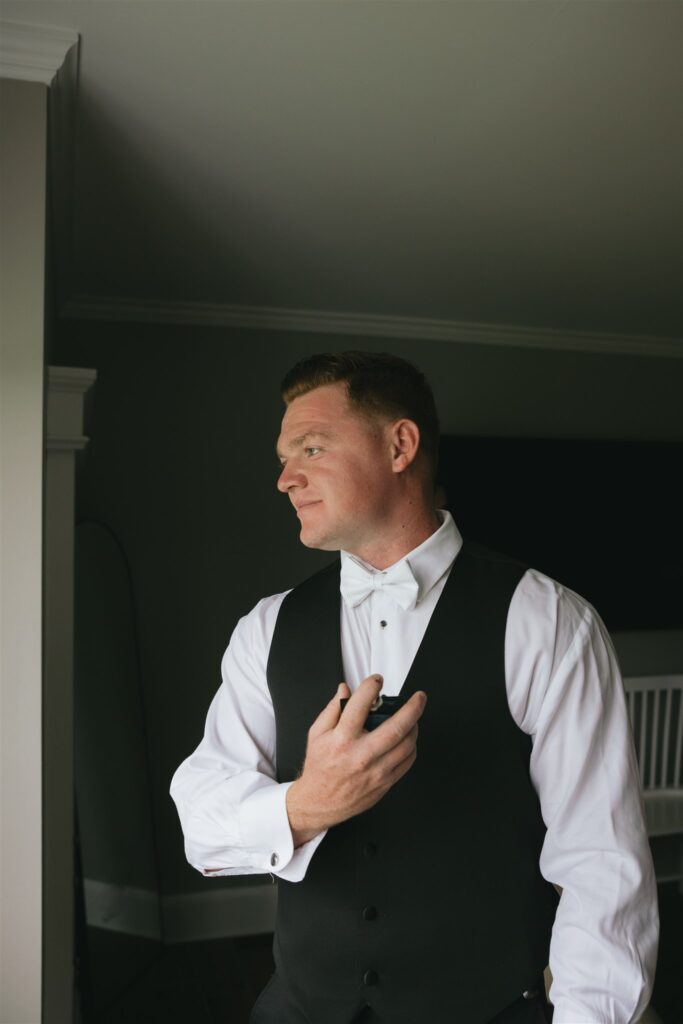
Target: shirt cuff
(301,858)
(267,834)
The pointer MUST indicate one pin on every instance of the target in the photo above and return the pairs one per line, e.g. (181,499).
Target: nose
(290,477)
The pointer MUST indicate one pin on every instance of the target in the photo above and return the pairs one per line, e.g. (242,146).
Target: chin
(319,541)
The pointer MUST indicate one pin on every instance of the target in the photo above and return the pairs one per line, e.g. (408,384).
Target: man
(417,876)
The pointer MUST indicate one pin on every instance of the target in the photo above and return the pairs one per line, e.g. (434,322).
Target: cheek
(368,485)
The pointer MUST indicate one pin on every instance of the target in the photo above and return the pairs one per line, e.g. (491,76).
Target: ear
(404,437)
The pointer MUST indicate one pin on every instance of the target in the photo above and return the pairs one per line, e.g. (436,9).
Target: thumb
(329,716)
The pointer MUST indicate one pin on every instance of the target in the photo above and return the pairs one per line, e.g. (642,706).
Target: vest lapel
(305,664)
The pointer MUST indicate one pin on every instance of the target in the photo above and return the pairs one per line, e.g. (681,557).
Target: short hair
(377,384)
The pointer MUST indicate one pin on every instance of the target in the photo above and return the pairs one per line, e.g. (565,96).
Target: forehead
(321,407)
(325,410)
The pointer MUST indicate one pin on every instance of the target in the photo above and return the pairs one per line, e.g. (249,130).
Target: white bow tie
(399,583)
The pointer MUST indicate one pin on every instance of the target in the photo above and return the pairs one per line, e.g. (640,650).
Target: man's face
(336,470)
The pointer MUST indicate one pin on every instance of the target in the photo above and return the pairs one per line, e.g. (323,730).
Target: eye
(312,451)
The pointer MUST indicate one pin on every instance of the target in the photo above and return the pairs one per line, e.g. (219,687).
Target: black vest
(448,858)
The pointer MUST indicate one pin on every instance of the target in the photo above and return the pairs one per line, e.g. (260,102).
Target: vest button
(369,851)
(370,978)
(369,913)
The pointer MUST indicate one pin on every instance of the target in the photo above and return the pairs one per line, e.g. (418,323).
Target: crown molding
(33,53)
(91,307)
(71,379)
(66,390)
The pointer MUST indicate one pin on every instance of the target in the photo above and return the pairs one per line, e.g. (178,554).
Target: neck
(398,537)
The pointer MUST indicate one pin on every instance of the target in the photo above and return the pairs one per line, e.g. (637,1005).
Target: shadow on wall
(119,871)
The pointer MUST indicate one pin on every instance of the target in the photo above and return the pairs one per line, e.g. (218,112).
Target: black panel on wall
(605,518)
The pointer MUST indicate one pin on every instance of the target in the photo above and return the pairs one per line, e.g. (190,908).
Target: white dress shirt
(564,689)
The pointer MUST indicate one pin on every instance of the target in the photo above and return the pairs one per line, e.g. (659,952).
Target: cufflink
(274,860)
(530,993)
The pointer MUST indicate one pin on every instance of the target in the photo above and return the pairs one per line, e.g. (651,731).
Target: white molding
(33,53)
(66,389)
(218,913)
(67,443)
(71,379)
(662,682)
(91,307)
(122,908)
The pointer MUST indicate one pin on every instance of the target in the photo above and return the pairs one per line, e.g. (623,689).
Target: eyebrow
(298,442)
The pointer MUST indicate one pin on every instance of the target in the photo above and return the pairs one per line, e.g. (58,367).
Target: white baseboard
(189,917)
(223,913)
(122,908)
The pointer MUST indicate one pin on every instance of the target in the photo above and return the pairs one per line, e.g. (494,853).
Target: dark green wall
(181,466)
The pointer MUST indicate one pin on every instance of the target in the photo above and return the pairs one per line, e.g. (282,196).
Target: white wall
(23,114)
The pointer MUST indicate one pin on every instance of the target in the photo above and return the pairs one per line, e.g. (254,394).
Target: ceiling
(506,162)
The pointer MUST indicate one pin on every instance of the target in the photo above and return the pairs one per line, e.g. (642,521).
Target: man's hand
(348,769)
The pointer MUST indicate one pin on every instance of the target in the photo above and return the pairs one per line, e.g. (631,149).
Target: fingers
(402,766)
(352,721)
(356,711)
(398,725)
(393,751)
(329,716)
(406,717)
(389,767)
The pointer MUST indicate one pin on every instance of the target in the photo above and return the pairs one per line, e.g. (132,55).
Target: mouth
(305,505)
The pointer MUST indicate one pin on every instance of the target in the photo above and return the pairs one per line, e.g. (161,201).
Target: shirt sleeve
(565,690)
(232,808)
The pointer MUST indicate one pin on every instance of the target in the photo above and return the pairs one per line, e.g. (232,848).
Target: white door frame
(29,59)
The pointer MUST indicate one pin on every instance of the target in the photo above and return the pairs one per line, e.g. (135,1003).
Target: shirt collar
(429,560)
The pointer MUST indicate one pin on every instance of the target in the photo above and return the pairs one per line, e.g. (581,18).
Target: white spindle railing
(655,706)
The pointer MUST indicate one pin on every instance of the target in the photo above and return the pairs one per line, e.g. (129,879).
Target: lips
(306,504)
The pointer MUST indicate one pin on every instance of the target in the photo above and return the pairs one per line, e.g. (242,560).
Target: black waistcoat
(448,858)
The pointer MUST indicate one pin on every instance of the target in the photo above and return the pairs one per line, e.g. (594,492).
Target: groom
(418,860)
